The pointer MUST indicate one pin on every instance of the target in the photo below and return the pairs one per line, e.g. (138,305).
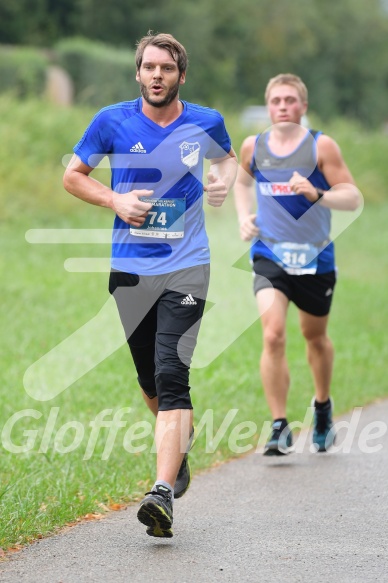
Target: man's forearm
(342,197)
(88,189)
(225,170)
(243,200)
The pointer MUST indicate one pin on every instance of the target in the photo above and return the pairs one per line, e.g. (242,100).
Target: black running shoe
(280,441)
(156,512)
(183,478)
(323,432)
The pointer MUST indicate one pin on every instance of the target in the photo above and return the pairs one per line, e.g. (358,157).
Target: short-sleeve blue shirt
(167,160)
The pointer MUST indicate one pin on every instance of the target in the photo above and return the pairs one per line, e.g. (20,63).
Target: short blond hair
(288,79)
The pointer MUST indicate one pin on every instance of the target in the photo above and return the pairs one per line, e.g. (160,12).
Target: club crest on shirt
(190,153)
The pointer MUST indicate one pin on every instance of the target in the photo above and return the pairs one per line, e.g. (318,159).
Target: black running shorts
(311,293)
(161,317)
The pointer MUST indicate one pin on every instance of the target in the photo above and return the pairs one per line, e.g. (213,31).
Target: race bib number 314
(165,220)
(297,258)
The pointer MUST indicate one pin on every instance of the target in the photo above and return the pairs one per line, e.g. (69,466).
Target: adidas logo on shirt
(138,148)
(188,301)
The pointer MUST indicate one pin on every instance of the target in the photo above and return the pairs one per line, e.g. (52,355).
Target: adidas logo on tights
(188,301)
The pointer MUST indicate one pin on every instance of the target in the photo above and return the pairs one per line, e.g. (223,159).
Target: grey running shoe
(323,432)
(156,512)
(183,478)
(280,441)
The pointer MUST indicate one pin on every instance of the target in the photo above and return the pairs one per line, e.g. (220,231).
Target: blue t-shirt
(288,222)
(167,160)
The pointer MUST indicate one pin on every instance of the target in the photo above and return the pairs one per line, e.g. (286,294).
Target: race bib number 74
(165,220)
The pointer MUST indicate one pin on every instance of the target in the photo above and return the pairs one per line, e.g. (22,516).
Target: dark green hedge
(22,71)
(101,74)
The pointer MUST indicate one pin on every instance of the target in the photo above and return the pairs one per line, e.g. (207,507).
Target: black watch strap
(320,193)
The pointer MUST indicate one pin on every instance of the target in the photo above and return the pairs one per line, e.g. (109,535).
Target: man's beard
(171,94)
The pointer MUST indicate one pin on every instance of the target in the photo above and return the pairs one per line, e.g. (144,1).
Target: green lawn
(43,304)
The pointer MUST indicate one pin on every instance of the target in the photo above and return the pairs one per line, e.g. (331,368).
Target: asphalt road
(307,517)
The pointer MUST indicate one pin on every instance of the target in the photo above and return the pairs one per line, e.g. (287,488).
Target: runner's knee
(173,389)
(275,339)
(143,358)
(149,387)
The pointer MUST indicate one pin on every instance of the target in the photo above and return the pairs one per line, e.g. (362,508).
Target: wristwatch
(320,194)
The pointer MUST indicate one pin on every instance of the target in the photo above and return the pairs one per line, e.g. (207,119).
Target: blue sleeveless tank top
(288,221)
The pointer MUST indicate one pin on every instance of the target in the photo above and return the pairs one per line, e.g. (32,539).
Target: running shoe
(280,441)
(156,512)
(183,478)
(323,432)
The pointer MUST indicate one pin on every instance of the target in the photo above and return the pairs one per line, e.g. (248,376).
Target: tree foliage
(338,46)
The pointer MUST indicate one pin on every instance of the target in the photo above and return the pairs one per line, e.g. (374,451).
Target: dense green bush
(338,47)
(101,74)
(22,71)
